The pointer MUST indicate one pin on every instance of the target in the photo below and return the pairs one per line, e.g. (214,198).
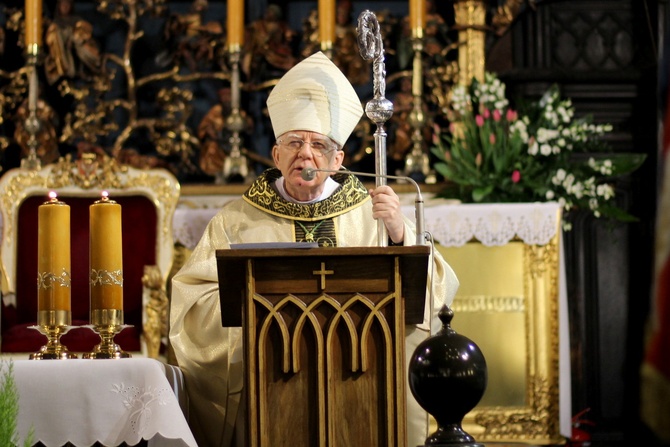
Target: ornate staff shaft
(378,109)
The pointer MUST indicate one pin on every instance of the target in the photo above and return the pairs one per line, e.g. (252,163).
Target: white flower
(550,195)
(545,149)
(577,189)
(607,167)
(605,191)
(522,130)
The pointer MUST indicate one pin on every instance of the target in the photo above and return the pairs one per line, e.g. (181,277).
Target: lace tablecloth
(451,224)
(107,401)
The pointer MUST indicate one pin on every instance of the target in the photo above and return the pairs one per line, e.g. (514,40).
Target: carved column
(470,18)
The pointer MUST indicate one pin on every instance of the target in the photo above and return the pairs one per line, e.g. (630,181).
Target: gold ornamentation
(483,303)
(53,324)
(87,173)
(107,323)
(539,422)
(540,258)
(471,24)
(156,310)
(106,278)
(350,195)
(47,280)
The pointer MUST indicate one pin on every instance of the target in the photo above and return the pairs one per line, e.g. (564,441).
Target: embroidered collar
(351,194)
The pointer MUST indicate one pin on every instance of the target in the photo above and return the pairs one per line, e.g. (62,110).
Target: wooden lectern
(324,338)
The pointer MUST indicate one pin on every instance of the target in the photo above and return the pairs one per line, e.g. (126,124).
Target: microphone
(309,174)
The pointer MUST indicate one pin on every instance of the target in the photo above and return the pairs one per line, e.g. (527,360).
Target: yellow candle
(326,22)
(53,255)
(417,16)
(235,22)
(33,24)
(106,254)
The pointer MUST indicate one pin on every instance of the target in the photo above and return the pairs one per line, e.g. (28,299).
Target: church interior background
(151,84)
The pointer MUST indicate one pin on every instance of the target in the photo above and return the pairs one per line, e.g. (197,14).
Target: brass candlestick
(32,124)
(53,324)
(417,163)
(107,323)
(235,165)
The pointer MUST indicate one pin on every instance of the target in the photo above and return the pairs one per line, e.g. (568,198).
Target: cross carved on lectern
(323,272)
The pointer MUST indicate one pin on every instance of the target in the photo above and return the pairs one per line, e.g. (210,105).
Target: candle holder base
(107,349)
(53,350)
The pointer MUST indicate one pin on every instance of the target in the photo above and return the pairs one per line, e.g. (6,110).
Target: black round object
(447,376)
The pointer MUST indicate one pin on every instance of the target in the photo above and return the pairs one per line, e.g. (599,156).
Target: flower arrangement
(495,153)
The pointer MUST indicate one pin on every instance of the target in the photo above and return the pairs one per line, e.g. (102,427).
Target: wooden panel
(330,362)
(313,274)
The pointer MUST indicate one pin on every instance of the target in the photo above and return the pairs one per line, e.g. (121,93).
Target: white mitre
(315,96)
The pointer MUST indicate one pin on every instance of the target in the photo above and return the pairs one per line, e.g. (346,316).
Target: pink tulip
(478,159)
(479,120)
(496,115)
(492,138)
(486,113)
(516,176)
(511,115)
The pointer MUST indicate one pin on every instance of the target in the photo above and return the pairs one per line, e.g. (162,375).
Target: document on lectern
(252,245)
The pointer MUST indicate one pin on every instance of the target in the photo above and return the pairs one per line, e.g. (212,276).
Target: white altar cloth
(452,224)
(107,401)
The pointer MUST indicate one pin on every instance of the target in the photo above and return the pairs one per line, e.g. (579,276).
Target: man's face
(296,150)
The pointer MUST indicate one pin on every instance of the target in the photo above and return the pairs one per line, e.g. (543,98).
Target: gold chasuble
(210,355)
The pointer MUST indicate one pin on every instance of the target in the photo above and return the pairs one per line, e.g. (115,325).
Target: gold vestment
(210,355)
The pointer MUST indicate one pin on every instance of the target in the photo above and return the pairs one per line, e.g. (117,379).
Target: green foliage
(9,409)
(497,154)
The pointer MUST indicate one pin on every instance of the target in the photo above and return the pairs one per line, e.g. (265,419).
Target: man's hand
(386,206)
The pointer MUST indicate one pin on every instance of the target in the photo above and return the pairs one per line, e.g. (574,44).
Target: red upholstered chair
(148,199)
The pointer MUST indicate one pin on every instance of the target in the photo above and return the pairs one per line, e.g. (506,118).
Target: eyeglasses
(319,148)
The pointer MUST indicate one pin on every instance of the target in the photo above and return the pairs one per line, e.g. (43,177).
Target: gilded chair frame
(87,177)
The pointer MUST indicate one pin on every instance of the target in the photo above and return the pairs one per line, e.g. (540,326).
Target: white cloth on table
(107,401)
